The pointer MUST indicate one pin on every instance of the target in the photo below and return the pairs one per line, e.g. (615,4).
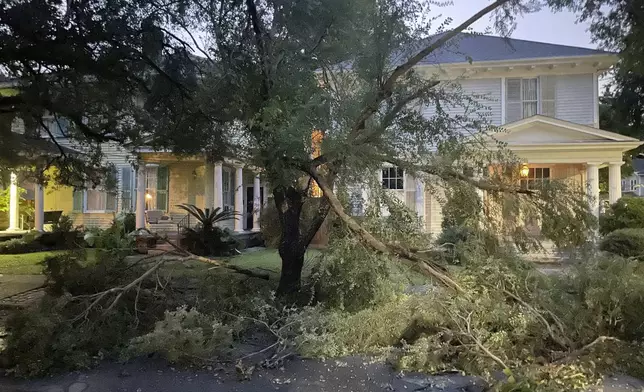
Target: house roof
(596,133)
(465,46)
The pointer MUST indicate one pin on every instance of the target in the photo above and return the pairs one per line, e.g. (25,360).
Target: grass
(26,263)
(269,260)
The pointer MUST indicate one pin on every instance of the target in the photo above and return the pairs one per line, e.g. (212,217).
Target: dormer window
(526,97)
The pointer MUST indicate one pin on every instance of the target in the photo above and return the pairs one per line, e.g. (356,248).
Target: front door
(250,205)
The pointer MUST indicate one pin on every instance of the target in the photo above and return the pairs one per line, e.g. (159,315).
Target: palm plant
(207,238)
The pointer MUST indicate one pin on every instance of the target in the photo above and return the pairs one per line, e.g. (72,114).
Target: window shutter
(77,204)
(513,106)
(162,188)
(548,90)
(126,189)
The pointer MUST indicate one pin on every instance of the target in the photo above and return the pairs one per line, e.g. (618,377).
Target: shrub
(184,335)
(206,238)
(627,213)
(461,242)
(270,226)
(624,242)
(19,245)
(38,242)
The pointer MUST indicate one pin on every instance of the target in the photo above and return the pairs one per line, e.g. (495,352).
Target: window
(156,187)
(127,189)
(633,184)
(623,184)
(530,96)
(393,178)
(57,126)
(227,189)
(99,200)
(536,177)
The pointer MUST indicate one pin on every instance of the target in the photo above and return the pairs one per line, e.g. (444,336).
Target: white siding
(488,94)
(434,211)
(575,98)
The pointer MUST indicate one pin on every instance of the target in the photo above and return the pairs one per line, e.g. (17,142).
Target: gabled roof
(478,47)
(591,133)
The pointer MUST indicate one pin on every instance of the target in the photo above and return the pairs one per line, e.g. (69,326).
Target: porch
(163,182)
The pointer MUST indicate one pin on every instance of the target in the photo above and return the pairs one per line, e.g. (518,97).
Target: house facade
(544,95)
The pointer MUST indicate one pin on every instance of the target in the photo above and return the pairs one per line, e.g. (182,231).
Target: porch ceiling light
(524,171)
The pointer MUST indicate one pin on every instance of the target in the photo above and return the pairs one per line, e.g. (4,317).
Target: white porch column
(257,203)
(39,208)
(209,186)
(218,188)
(140,196)
(614,181)
(420,199)
(14,201)
(592,179)
(239,198)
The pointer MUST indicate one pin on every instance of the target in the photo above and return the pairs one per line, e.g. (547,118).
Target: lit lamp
(524,171)
(148,196)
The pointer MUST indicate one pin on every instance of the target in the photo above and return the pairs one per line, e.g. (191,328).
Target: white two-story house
(544,95)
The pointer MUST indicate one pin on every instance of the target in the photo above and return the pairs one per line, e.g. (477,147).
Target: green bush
(624,242)
(627,213)
(38,242)
(184,335)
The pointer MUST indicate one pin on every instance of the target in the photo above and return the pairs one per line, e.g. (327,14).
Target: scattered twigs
(180,255)
(98,297)
(280,345)
(467,332)
(577,353)
(562,340)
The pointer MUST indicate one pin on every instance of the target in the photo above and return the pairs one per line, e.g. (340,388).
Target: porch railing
(184,223)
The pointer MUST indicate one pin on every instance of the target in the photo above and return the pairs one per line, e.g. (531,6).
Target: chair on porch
(157,216)
(50,218)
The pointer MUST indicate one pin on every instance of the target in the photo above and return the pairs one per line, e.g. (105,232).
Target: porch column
(39,208)
(420,199)
(239,198)
(140,197)
(218,188)
(592,179)
(257,202)
(13,203)
(209,186)
(614,181)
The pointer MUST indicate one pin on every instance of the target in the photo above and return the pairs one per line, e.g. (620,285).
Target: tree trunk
(296,234)
(289,208)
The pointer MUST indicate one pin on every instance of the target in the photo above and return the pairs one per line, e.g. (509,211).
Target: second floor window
(393,178)
(526,97)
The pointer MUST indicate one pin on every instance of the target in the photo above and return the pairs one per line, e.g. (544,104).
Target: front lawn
(25,263)
(269,260)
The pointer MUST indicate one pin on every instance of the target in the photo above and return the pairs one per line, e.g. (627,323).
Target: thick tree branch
(386,89)
(425,266)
